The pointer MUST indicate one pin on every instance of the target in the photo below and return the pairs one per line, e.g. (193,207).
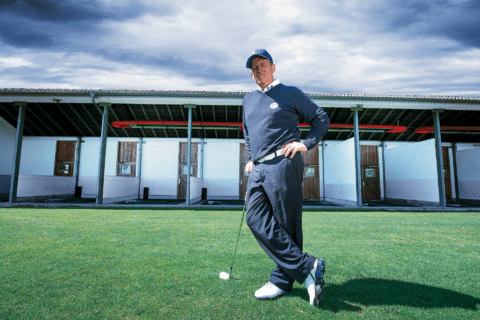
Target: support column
(202,145)
(18,151)
(358,168)
(140,152)
(455,172)
(77,162)
(189,151)
(103,150)
(438,151)
(323,168)
(383,169)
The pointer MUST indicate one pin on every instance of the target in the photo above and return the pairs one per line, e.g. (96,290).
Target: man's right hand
(249,167)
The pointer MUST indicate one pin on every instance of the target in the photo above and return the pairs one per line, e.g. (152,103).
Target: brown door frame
(369,160)
(182,178)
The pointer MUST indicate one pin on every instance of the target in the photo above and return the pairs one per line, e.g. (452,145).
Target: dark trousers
(274,215)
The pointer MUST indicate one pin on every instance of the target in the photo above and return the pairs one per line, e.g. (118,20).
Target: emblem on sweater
(274,105)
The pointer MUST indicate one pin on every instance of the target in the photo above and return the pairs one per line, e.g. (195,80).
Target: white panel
(89,157)
(36,185)
(160,167)
(38,156)
(196,185)
(411,172)
(468,166)
(340,176)
(221,169)
(111,156)
(7,147)
(120,187)
(89,186)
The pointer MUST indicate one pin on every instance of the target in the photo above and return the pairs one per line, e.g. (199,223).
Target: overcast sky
(406,47)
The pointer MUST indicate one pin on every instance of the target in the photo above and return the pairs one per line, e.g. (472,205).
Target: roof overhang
(146,97)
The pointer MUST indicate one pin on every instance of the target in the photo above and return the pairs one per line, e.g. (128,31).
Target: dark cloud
(23,35)
(68,11)
(209,65)
(47,23)
(458,21)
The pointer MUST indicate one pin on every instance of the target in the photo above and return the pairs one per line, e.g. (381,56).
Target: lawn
(71,263)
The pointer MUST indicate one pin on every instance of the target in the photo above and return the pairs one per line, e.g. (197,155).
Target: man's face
(262,71)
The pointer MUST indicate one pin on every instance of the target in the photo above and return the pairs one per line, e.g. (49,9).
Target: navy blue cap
(259,53)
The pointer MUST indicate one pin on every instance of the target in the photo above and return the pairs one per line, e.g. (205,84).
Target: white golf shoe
(269,291)
(315,283)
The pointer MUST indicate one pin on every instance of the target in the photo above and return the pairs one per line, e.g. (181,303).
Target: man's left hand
(293,147)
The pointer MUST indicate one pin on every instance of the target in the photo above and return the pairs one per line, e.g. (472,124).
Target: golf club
(224,275)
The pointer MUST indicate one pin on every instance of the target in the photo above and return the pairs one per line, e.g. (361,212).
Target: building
(114,145)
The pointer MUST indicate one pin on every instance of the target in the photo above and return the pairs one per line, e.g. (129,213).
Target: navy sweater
(270,120)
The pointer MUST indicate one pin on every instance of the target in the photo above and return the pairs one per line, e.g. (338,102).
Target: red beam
(130,124)
(426,130)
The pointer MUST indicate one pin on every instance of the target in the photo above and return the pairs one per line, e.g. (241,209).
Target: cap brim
(249,61)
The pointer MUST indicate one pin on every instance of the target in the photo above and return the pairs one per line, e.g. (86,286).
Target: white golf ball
(224,275)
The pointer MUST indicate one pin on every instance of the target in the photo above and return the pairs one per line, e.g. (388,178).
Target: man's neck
(270,86)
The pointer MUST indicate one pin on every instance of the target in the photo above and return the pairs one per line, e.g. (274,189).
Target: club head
(224,275)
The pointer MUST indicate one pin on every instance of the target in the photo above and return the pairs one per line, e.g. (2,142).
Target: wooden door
(65,158)
(182,168)
(447,174)
(127,159)
(243,174)
(311,184)
(370,173)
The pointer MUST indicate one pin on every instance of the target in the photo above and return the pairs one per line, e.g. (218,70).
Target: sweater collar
(270,86)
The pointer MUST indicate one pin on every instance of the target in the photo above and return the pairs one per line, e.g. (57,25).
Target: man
(274,190)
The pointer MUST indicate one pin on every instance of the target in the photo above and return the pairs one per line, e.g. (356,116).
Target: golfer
(274,190)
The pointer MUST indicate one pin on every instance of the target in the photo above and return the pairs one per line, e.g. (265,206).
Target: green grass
(164,264)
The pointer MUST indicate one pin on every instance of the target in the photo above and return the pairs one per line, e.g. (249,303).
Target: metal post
(103,150)
(455,173)
(140,151)
(202,144)
(189,151)
(358,168)
(383,169)
(438,151)
(18,151)
(77,161)
(323,169)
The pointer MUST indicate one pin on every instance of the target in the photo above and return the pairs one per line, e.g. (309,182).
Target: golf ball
(224,275)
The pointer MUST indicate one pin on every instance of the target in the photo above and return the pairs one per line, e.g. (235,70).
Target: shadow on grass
(381,292)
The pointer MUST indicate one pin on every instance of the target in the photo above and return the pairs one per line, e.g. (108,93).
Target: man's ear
(251,73)
(273,68)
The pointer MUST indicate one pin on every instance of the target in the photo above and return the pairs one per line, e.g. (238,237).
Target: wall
(38,155)
(340,177)
(114,188)
(468,166)
(7,147)
(37,164)
(411,173)
(119,189)
(160,168)
(196,185)
(31,187)
(221,172)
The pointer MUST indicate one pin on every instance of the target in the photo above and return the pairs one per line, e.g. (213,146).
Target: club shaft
(238,237)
